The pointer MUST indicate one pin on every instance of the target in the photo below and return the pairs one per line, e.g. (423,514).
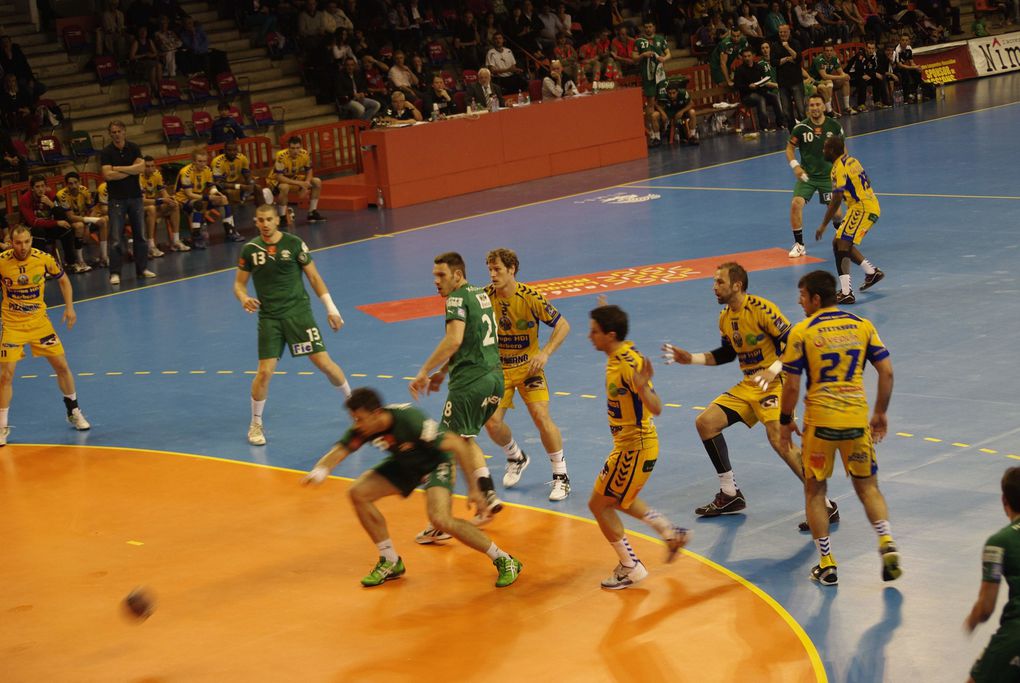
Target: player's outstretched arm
(834,203)
(444,350)
(791,159)
(250,304)
(70,317)
(326,463)
(336,321)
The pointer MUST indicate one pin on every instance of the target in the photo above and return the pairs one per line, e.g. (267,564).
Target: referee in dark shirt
(122,163)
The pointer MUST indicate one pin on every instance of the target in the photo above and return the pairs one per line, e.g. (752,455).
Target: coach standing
(122,163)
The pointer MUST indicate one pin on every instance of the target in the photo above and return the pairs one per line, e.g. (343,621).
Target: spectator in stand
(195,55)
(224,126)
(622,50)
(112,37)
(467,42)
(749,27)
(807,18)
(529,28)
(259,16)
(143,59)
(340,48)
(567,55)
(887,73)
(19,109)
(10,160)
(863,71)
(943,13)
(352,94)
(848,10)
(773,20)
(501,62)
(724,54)
(826,69)
(481,93)
(597,16)
(336,19)
(834,24)
(438,102)
(556,85)
(402,78)
(768,70)
(590,61)
(40,212)
(400,110)
(874,26)
(756,91)
(564,22)
(419,69)
(312,23)
(171,9)
(549,25)
(909,73)
(374,72)
(167,43)
(786,60)
(490,25)
(13,61)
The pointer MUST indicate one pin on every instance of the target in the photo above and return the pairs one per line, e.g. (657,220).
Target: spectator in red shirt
(374,72)
(621,48)
(40,212)
(566,54)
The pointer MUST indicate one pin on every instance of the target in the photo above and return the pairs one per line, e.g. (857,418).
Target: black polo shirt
(125,188)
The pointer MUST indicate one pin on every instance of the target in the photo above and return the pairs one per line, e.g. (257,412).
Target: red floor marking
(600,283)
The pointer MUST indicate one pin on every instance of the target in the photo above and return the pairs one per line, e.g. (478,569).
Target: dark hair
(363,398)
(820,283)
(71,174)
(505,256)
(1011,487)
(36,179)
(293,140)
(148,157)
(452,259)
(816,96)
(611,319)
(836,143)
(736,273)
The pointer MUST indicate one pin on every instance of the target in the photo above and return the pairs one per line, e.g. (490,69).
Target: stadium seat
(226,83)
(51,152)
(74,39)
(236,114)
(174,130)
(535,90)
(262,115)
(201,123)
(22,149)
(470,76)
(199,90)
(106,70)
(460,102)
(170,94)
(141,100)
(81,147)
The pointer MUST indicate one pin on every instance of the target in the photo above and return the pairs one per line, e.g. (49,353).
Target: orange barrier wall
(422,163)
(334,147)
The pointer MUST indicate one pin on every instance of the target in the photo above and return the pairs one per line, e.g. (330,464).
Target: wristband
(785,418)
(237,186)
(776,368)
(699,359)
(331,308)
(794,163)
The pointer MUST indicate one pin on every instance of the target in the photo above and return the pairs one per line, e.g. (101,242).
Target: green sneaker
(383,572)
(509,569)
(890,555)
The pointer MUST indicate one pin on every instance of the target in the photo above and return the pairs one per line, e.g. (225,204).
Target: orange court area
(256,579)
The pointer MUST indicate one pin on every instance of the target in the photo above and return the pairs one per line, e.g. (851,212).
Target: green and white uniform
(412,441)
(727,49)
(285,314)
(1000,662)
(822,62)
(476,374)
(809,139)
(672,107)
(649,67)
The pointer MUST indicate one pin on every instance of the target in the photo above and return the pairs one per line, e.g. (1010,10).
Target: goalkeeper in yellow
(850,182)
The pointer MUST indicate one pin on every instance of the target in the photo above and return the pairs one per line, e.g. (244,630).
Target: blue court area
(164,367)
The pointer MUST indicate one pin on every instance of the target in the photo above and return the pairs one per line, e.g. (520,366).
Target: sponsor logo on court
(620,198)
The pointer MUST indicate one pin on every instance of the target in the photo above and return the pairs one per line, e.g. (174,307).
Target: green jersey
(276,272)
(727,49)
(766,70)
(809,138)
(1001,559)
(831,65)
(412,435)
(478,354)
(649,65)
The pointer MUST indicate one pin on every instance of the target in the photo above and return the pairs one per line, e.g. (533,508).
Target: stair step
(31,42)
(19,29)
(279,95)
(257,68)
(46,73)
(72,89)
(352,203)
(49,58)
(219,25)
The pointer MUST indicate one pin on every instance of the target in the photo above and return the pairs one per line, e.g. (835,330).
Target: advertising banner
(995,54)
(945,63)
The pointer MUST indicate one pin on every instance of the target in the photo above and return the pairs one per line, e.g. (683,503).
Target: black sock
(718,453)
(485,484)
(70,405)
(798,236)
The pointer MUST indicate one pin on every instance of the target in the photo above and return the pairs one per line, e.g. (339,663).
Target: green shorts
(408,472)
(468,408)
(1000,662)
(649,88)
(806,190)
(299,332)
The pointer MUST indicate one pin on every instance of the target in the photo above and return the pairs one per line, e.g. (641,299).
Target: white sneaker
(146,274)
(115,279)
(430,534)
(560,487)
(78,421)
(256,437)
(154,252)
(625,577)
(798,251)
(4,433)
(514,470)
(179,246)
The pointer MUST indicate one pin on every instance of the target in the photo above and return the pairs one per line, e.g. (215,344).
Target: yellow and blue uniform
(190,178)
(756,333)
(79,204)
(102,195)
(832,347)
(517,319)
(152,186)
(23,311)
(862,213)
(635,440)
(236,171)
(286,165)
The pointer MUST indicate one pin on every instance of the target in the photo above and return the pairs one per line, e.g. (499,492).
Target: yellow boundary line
(778,191)
(809,646)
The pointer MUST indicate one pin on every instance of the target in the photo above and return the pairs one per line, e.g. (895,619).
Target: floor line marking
(777,191)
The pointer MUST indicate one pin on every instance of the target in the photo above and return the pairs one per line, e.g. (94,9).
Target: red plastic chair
(174,130)
(51,151)
(106,70)
(236,114)
(470,76)
(170,94)
(74,39)
(226,83)
(535,90)
(201,123)
(460,102)
(262,115)
(141,100)
(199,90)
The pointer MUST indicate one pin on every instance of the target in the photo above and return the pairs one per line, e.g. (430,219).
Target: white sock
(387,551)
(102,250)
(559,463)
(828,106)
(175,237)
(267,195)
(625,552)
(256,411)
(727,483)
(73,396)
(654,519)
(282,210)
(229,220)
(828,502)
(494,552)
(345,388)
(152,243)
(78,255)
(846,102)
(867,267)
(512,450)
(882,527)
(3,417)
(481,472)
(313,204)
(844,284)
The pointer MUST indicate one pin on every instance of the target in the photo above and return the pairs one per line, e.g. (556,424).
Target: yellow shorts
(751,403)
(625,473)
(856,224)
(533,387)
(40,336)
(854,445)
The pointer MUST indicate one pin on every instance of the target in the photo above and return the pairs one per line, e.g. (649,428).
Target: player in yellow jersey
(519,309)
(232,175)
(292,170)
(23,273)
(832,347)
(158,203)
(77,201)
(631,403)
(753,331)
(195,191)
(850,182)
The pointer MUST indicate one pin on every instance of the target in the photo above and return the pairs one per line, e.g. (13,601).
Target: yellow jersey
(285,164)
(102,195)
(629,422)
(190,178)
(832,347)
(152,185)
(223,169)
(23,283)
(756,334)
(848,177)
(78,204)
(517,319)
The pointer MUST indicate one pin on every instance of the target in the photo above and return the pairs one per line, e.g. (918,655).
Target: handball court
(256,577)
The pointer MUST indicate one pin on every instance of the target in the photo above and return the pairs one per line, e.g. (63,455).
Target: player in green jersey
(468,352)
(1000,661)
(812,171)
(826,70)
(651,52)
(419,455)
(274,261)
(674,106)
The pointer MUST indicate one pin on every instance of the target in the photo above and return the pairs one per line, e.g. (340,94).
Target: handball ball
(139,604)
(211,216)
